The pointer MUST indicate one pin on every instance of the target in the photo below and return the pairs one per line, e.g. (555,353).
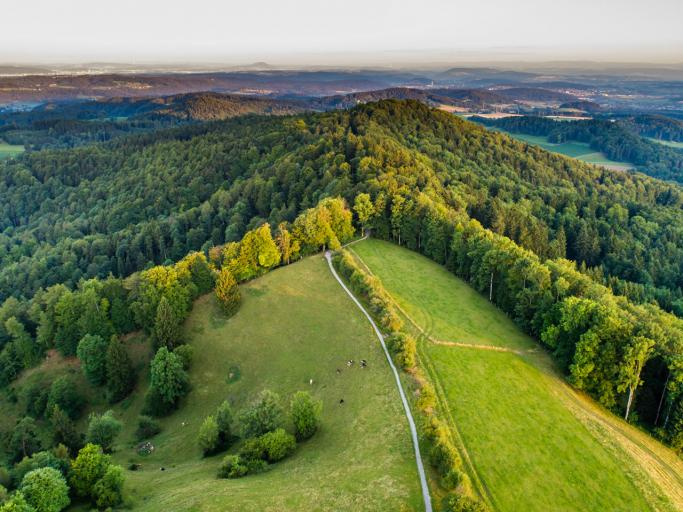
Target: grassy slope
(534,443)
(578,150)
(294,324)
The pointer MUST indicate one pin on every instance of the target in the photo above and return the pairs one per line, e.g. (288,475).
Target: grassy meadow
(295,324)
(8,150)
(670,143)
(579,150)
(532,442)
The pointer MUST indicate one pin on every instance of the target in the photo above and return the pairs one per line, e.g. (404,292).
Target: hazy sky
(314,30)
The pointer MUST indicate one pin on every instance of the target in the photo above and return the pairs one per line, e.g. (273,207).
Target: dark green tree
(305,413)
(92,351)
(119,371)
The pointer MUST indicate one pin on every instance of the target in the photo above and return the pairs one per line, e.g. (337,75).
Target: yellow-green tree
(227,291)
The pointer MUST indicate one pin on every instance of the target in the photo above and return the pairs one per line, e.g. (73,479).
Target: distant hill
(472,98)
(534,94)
(656,127)
(74,123)
(585,106)
(254,81)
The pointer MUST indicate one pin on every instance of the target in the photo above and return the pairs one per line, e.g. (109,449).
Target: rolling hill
(505,216)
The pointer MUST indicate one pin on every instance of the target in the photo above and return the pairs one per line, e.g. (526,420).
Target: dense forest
(619,140)
(62,125)
(96,210)
(101,240)
(656,126)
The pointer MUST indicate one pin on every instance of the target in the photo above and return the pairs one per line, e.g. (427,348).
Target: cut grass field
(295,324)
(579,150)
(533,443)
(670,143)
(8,150)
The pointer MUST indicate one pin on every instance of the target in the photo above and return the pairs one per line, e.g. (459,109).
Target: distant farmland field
(670,143)
(579,150)
(8,150)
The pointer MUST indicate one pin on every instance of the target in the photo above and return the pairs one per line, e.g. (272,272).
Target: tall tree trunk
(630,401)
(491,288)
(668,412)
(661,398)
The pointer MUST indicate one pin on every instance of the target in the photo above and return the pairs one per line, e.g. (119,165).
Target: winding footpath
(411,422)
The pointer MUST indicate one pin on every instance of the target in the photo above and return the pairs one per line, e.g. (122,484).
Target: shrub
(427,399)
(147,427)
(45,489)
(444,456)
(92,351)
(455,502)
(108,490)
(3,494)
(277,445)
(209,436)
(186,355)
(252,450)
(227,292)
(232,467)
(265,414)
(87,468)
(224,421)
(17,503)
(103,429)
(38,460)
(64,393)
(404,347)
(456,479)
(305,413)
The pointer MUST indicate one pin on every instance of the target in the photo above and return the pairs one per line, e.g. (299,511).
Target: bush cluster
(266,441)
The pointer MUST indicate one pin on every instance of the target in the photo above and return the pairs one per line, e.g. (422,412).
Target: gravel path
(409,415)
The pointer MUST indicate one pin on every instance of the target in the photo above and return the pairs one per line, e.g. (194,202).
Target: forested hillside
(498,213)
(116,208)
(69,124)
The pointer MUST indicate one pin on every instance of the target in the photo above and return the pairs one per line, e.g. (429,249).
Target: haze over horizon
(357,33)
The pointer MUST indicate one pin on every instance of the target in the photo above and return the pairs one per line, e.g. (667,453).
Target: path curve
(411,422)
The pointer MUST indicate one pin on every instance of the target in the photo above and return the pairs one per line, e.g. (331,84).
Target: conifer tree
(120,374)
(166,330)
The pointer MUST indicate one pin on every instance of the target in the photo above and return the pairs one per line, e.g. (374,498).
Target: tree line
(627,356)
